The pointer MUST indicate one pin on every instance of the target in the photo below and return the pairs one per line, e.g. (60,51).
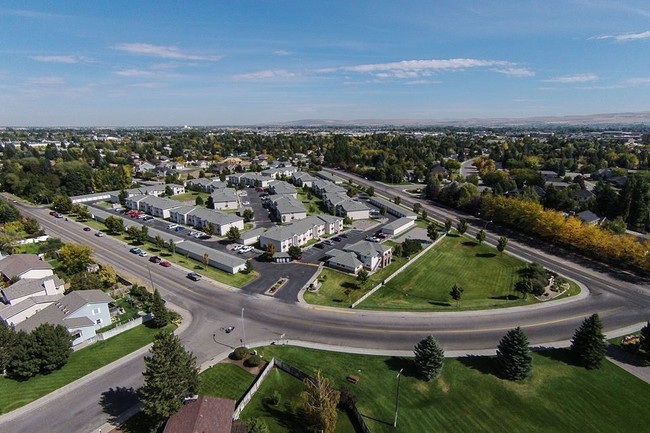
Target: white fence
(253,389)
(33,240)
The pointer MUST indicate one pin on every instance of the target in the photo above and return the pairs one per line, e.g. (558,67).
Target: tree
(122,196)
(256,425)
(383,210)
(233,234)
(23,362)
(199,201)
(410,247)
(62,203)
(171,246)
(448,224)
(294,252)
(456,293)
(248,215)
(249,266)
(480,236)
(424,214)
(432,232)
(363,276)
(524,286)
(319,404)
(85,281)
(588,343)
(645,340)
(370,191)
(417,207)
(108,276)
(206,259)
(502,243)
(52,346)
(74,258)
(169,191)
(8,212)
(209,229)
(210,203)
(170,376)
(134,233)
(7,344)
(115,225)
(514,358)
(143,234)
(83,213)
(159,241)
(429,358)
(397,200)
(461,226)
(32,227)
(159,311)
(269,251)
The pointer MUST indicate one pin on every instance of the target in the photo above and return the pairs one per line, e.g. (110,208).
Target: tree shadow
(117,400)
(349,285)
(621,355)
(486,255)
(440,304)
(397,363)
(482,364)
(470,244)
(561,355)
(505,297)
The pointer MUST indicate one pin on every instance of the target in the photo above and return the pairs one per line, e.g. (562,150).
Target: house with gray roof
(321,187)
(288,208)
(27,296)
(251,236)
(25,266)
(344,261)
(226,262)
(180,215)
(201,217)
(206,185)
(301,232)
(155,190)
(591,218)
(353,209)
(225,198)
(373,255)
(81,312)
(281,187)
(303,179)
(157,206)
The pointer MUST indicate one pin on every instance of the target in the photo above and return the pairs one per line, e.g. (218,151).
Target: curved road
(212,308)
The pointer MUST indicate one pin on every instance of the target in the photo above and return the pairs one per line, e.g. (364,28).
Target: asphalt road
(213,308)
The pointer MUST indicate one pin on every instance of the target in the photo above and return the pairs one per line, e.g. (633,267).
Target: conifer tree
(588,342)
(159,311)
(645,340)
(170,376)
(513,355)
(429,358)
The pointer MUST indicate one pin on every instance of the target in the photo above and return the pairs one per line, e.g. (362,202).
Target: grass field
(487,276)
(14,394)
(225,381)
(333,291)
(191,196)
(468,397)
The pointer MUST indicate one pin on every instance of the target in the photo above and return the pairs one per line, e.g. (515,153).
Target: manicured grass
(14,394)
(319,206)
(468,397)
(332,292)
(191,196)
(285,416)
(226,381)
(27,249)
(487,276)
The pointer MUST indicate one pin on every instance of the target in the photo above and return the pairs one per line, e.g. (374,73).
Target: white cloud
(59,59)
(162,51)
(45,81)
(280,53)
(133,73)
(413,69)
(266,75)
(569,79)
(639,81)
(625,37)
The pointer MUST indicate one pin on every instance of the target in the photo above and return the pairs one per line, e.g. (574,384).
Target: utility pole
(243,328)
(399,375)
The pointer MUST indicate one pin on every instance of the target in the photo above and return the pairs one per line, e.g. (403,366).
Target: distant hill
(621,119)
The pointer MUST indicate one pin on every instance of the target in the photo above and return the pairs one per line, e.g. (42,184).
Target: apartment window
(98,321)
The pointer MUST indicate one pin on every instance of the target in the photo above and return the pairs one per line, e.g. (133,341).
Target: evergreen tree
(429,358)
(198,201)
(23,362)
(588,342)
(513,355)
(456,293)
(432,231)
(52,346)
(170,376)
(7,344)
(159,311)
(645,340)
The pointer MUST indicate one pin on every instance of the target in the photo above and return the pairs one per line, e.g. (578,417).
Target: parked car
(179,229)
(245,203)
(344,235)
(259,189)
(237,247)
(135,250)
(165,263)
(99,234)
(155,259)
(172,226)
(321,246)
(337,239)
(205,237)
(328,242)
(229,329)
(87,229)
(143,254)
(194,276)
(246,249)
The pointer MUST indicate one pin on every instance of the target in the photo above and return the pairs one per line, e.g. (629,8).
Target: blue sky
(237,62)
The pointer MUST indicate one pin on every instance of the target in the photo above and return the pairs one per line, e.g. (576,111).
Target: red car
(165,263)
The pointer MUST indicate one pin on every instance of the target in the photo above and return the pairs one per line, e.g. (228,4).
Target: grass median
(14,394)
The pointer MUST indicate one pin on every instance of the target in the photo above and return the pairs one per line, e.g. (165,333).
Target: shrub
(240,353)
(346,398)
(272,399)
(253,361)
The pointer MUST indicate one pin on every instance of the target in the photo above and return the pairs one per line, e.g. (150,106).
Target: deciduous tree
(461,226)
(456,293)
(502,243)
(480,236)
(319,404)
(114,225)
(432,232)
(233,234)
(74,258)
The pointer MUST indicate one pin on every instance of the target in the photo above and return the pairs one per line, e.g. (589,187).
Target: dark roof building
(203,415)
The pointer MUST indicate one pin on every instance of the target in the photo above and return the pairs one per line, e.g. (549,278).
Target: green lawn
(317,202)
(191,196)
(332,292)
(468,397)
(15,394)
(226,381)
(284,417)
(487,276)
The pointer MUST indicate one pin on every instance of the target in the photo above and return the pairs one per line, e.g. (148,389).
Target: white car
(245,203)
(172,226)
(99,234)
(243,193)
(143,254)
(244,250)
(237,247)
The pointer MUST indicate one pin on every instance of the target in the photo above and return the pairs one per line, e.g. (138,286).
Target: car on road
(205,237)
(194,276)
(99,234)
(243,193)
(155,259)
(147,218)
(165,263)
(87,229)
(143,254)
(373,239)
(135,250)
(54,213)
(229,329)
(259,189)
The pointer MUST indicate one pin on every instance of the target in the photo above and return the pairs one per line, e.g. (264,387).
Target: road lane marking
(330,310)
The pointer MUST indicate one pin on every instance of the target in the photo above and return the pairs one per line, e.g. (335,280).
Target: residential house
(281,187)
(344,261)
(352,209)
(322,187)
(439,171)
(302,179)
(221,222)
(203,415)
(301,232)
(25,266)
(26,297)
(81,312)
(591,218)
(157,206)
(329,177)
(155,190)
(373,255)
(225,198)
(206,185)
(288,208)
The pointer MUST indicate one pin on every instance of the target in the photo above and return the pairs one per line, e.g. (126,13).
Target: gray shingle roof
(288,204)
(204,415)
(367,248)
(18,264)
(348,260)
(24,288)
(8,311)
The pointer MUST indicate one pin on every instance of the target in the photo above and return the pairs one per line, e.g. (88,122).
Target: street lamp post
(243,328)
(399,375)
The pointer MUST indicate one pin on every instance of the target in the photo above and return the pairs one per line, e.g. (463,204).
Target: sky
(239,62)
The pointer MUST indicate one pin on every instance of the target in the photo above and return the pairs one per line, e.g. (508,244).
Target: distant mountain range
(610,119)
